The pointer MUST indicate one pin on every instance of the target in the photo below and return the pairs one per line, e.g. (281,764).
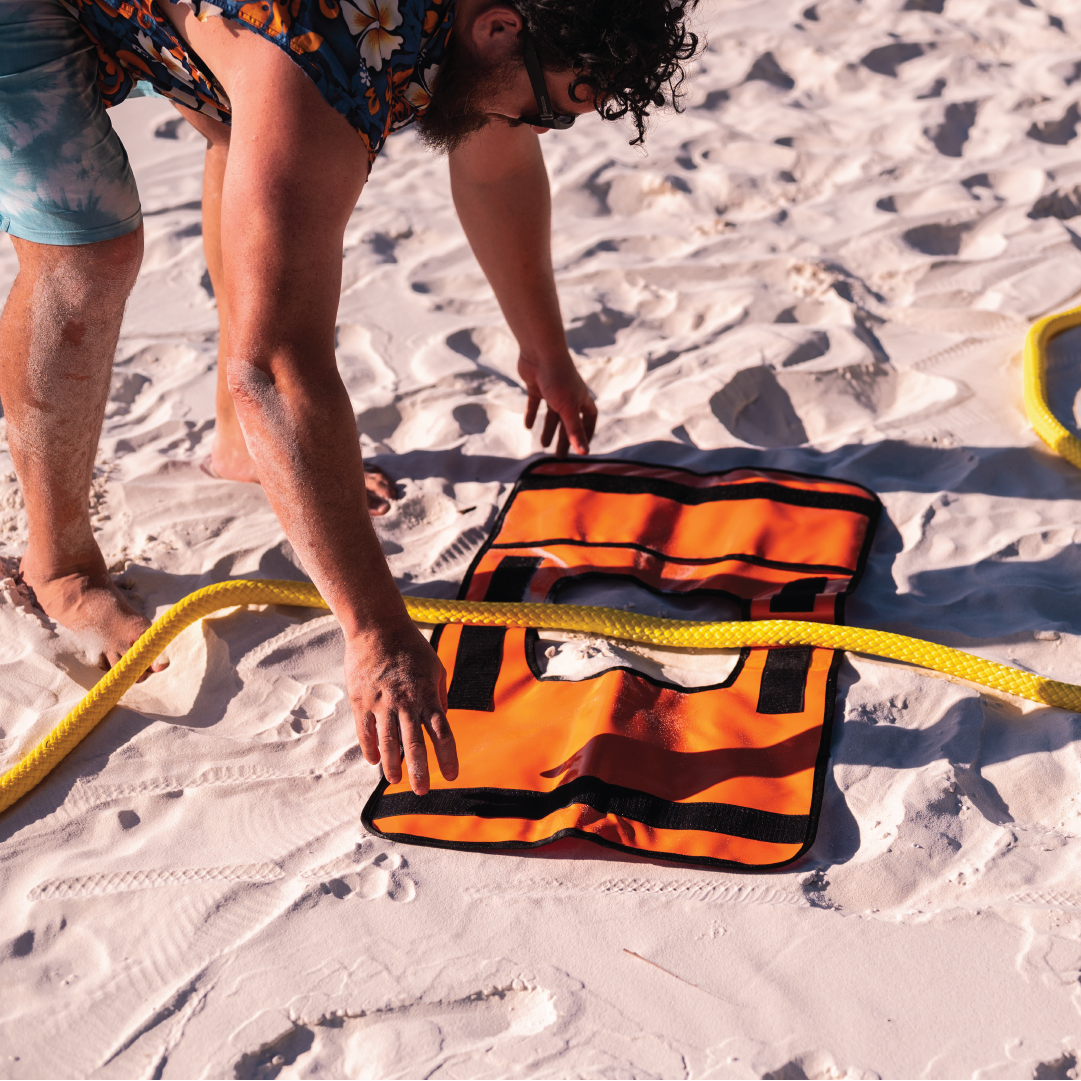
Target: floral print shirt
(372,60)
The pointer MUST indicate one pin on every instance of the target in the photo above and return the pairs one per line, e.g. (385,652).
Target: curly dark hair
(629,53)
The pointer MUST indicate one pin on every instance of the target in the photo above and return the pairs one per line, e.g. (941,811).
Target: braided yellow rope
(1047,427)
(610,622)
(613,623)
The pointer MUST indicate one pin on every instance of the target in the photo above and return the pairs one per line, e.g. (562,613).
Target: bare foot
(381,490)
(88,602)
(228,462)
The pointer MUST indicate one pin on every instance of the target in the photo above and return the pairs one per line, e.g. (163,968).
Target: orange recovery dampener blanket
(729,775)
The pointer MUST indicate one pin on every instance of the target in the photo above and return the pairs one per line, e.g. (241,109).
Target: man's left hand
(571,408)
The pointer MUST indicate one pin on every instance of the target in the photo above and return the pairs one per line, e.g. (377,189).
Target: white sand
(831,271)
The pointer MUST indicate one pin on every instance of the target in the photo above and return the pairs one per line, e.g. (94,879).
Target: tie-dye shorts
(64,174)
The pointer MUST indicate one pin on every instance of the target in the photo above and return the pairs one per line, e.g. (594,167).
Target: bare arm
(500,189)
(294,173)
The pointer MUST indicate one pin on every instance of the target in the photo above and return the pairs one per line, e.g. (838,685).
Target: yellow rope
(611,622)
(1047,427)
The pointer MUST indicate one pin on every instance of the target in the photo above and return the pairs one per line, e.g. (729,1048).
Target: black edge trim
(861,561)
(839,609)
(531,637)
(823,760)
(708,862)
(550,459)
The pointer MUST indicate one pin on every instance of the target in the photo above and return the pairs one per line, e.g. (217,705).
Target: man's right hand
(398,691)
(282,273)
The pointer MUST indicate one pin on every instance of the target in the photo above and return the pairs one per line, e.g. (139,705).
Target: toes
(377,505)
(381,490)
(377,482)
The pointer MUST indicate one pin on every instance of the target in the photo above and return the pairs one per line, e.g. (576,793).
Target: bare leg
(229,457)
(58,334)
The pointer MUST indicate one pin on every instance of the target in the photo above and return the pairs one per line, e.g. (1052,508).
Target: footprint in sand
(817,1064)
(414,1039)
(383,876)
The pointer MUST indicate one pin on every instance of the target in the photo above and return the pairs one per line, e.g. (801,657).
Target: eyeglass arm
(536,77)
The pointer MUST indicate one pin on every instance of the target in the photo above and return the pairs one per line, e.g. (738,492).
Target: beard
(463,86)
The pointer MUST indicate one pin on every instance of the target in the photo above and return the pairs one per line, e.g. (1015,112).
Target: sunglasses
(546,117)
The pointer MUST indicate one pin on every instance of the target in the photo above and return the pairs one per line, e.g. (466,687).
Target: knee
(248,383)
(113,263)
(102,273)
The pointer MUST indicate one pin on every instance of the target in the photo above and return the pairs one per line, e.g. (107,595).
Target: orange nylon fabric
(725,776)
(705,747)
(678,548)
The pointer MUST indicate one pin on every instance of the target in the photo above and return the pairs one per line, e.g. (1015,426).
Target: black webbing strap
(480,649)
(798,596)
(510,580)
(784,680)
(476,669)
(605,798)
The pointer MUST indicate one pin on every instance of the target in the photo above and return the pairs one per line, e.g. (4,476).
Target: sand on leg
(58,334)
(229,457)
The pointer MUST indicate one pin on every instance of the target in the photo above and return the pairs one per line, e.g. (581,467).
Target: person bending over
(295,98)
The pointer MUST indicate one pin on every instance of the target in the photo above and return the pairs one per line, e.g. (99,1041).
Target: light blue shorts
(64,174)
